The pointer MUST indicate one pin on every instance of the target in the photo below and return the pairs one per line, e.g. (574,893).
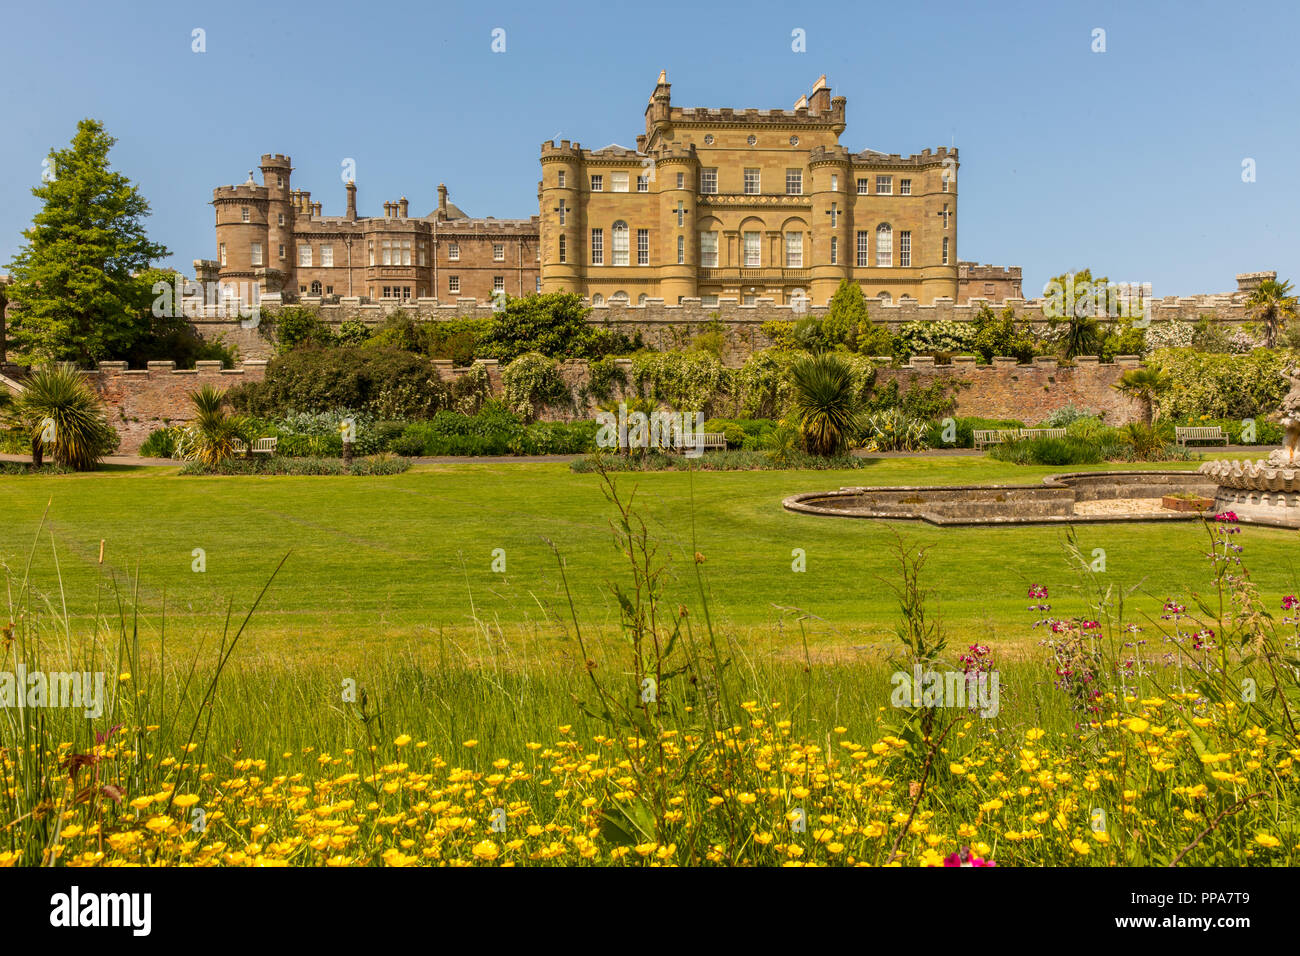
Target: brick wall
(1029,393)
(140,401)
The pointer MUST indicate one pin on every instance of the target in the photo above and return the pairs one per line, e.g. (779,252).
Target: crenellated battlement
(243,192)
(926,157)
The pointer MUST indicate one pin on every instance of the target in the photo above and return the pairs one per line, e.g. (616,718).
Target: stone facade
(992,283)
(272,238)
(747,204)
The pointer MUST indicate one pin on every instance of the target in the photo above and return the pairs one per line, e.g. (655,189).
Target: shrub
(384,382)
(684,381)
(996,335)
(352,332)
(23,468)
(1067,413)
(275,465)
(61,412)
(825,404)
(1047,451)
(929,338)
(457,339)
(471,390)
(963,431)
(746,460)
(531,382)
(212,435)
(602,375)
(161,443)
(554,324)
(926,402)
(892,430)
(1222,386)
(294,326)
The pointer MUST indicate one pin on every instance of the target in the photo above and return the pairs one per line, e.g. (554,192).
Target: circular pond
(1060,499)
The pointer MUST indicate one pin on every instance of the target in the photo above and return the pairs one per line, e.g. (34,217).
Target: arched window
(884,246)
(884,297)
(619,298)
(640,300)
(315,288)
(620,243)
(597,299)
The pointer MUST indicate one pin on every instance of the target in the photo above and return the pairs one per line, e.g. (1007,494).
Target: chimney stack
(352,201)
(442,200)
(820,100)
(402,206)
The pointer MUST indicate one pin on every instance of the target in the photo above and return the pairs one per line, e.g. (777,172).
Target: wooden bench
(1213,433)
(1042,433)
(984,437)
(261,446)
(706,441)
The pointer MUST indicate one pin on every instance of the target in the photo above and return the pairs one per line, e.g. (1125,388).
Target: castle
(747,204)
(272,238)
(711,204)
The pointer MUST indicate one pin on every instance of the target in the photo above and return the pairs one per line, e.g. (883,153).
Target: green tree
(74,296)
(848,310)
(1274,305)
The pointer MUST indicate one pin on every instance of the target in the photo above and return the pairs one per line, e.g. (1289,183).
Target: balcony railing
(761,275)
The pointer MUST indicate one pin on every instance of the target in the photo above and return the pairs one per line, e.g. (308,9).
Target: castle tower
(832,220)
(243,236)
(938,278)
(678,215)
(560,192)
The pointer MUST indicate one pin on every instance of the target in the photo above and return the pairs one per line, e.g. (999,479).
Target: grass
(404,563)
(1102,750)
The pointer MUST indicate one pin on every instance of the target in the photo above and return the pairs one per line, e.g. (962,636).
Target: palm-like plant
(212,435)
(59,408)
(1146,385)
(1274,305)
(825,405)
(1082,336)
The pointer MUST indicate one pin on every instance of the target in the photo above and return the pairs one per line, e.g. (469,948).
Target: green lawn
(395,561)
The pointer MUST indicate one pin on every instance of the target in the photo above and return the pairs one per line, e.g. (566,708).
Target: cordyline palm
(210,438)
(59,408)
(1274,305)
(1146,385)
(825,402)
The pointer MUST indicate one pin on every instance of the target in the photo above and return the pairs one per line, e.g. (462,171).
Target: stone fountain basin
(1258,492)
(1070,498)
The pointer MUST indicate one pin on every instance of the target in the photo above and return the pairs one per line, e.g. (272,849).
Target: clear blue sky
(1128,161)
